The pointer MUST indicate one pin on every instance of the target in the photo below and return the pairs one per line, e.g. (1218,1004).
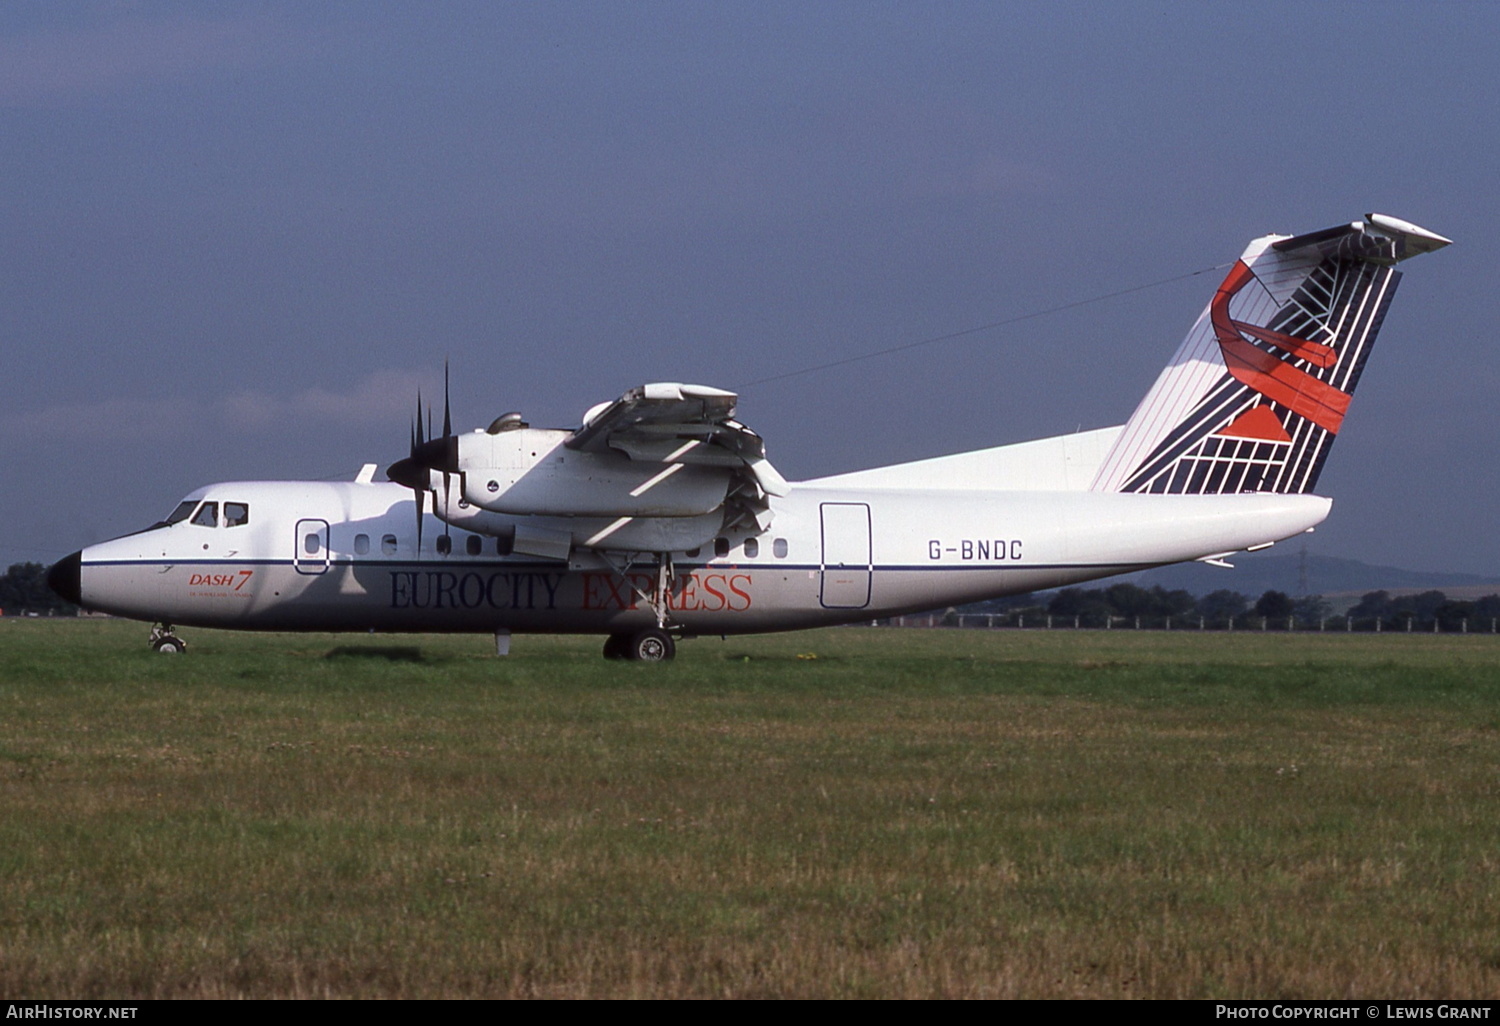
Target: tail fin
(1259,388)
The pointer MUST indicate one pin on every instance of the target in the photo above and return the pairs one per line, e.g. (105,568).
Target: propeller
(428,453)
(447,435)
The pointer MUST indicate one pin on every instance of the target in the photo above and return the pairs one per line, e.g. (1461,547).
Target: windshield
(184,508)
(181,512)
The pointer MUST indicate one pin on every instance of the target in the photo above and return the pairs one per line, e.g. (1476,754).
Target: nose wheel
(165,642)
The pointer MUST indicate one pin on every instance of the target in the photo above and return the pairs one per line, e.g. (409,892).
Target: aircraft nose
(65,578)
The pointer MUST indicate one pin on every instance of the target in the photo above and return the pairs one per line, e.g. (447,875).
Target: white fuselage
(661,513)
(344,556)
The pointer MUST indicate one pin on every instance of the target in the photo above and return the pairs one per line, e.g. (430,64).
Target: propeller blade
(447,433)
(447,499)
(421,511)
(447,408)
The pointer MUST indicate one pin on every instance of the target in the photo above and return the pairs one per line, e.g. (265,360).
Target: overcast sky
(236,237)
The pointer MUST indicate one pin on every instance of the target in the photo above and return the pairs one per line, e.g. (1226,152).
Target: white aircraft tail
(1259,388)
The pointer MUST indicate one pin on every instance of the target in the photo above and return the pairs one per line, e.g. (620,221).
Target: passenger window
(236,514)
(473,544)
(505,544)
(752,548)
(721,546)
(207,515)
(388,545)
(311,543)
(361,541)
(444,544)
(778,548)
(692,553)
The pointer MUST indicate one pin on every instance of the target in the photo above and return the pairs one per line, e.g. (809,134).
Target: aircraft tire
(617,646)
(167,644)
(651,646)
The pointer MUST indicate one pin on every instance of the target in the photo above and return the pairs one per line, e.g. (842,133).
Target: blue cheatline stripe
(685,567)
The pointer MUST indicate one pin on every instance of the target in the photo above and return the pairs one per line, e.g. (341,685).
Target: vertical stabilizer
(1259,388)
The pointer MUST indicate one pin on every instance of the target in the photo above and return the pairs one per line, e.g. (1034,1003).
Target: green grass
(910,814)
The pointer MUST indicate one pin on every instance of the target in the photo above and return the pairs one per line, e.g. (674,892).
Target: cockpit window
(236,514)
(207,515)
(181,512)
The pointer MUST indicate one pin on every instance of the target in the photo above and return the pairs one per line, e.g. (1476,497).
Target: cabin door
(846,555)
(311,554)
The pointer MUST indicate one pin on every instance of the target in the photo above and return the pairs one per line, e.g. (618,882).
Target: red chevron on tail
(1268,373)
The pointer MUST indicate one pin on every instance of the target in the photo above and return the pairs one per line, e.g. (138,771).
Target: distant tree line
(1426,609)
(1129,605)
(24,590)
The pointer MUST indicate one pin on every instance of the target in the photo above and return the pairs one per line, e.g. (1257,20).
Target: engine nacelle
(664,468)
(529,471)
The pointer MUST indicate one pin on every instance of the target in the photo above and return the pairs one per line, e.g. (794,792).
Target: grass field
(910,814)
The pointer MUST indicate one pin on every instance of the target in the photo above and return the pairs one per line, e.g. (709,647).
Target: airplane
(659,517)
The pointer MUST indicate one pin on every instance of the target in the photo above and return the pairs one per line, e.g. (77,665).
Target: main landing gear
(652,645)
(165,642)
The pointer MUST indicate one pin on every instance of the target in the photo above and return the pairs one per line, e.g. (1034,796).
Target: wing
(690,425)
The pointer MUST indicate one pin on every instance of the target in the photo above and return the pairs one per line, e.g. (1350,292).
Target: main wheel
(651,646)
(169,644)
(617,646)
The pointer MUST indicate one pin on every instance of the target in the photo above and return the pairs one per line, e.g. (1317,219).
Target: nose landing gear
(165,642)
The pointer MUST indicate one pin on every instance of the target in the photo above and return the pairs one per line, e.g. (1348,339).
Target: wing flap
(673,423)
